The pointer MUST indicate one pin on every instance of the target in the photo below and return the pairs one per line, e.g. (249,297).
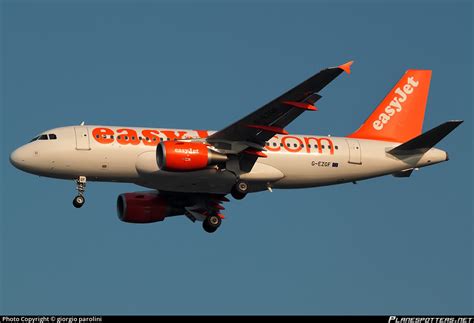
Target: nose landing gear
(79,200)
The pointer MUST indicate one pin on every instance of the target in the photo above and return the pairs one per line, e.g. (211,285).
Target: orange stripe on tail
(399,117)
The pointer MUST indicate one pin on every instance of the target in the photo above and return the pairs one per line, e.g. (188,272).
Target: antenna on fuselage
(82,123)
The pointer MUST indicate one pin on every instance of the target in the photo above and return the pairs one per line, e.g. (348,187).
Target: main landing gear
(212,223)
(240,190)
(79,200)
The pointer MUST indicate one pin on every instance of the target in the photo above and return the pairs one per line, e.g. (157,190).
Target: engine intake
(186,156)
(144,207)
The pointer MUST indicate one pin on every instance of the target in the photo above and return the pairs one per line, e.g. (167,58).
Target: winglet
(346,67)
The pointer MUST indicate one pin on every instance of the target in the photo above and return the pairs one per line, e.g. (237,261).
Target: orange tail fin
(399,117)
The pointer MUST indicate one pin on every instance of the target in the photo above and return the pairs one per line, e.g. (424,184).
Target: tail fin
(399,117)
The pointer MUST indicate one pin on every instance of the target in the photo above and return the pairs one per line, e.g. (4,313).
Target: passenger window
(295,145)
(43,137)
(316,146)
(302,146)
(274,144)
(118,137)
(281,144)
(322,146)
(329,146)
(52,136)
(336,147)
(111,136)
(288,145)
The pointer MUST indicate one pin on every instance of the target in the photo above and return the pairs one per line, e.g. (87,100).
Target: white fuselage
(126,154)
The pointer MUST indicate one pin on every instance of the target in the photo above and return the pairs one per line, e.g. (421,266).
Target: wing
(271,119)
(196,206)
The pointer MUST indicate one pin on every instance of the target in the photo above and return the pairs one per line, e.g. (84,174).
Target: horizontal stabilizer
(403,173)
(424,142)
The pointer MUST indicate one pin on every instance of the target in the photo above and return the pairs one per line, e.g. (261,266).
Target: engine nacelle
(186,156)
(144,207)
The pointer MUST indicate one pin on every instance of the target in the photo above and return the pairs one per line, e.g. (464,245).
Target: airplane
(190,172)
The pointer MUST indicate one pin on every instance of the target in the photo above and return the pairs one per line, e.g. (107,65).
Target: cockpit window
(51,136)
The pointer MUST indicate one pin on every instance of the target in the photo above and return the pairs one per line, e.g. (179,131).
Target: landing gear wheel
(78,201)
(242,187)
(236,195)
(212,223)
(240,190)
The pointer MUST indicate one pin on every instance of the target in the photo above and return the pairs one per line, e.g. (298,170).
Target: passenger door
(354,151)
(82,138)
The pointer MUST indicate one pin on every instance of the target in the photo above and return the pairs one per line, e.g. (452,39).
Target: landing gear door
(82,138)
(354,151)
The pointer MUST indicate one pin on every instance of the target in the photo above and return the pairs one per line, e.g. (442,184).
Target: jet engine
(145,207)
(186,156)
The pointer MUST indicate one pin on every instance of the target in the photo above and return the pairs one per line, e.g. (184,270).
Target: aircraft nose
(19,158)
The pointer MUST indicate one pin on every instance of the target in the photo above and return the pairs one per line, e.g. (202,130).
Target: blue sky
(383,246)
